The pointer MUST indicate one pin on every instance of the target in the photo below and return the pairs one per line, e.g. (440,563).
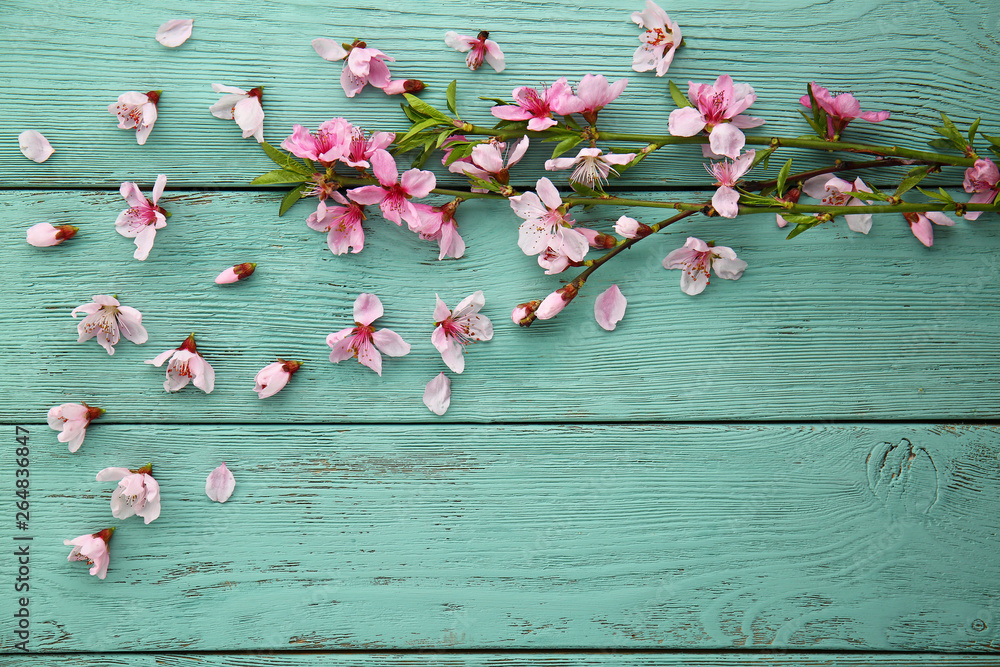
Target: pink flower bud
(400,86)
(631,228)
(598,239)
(43,234)
(524,314)
(555,302)
(272,378)
(238,272)
(93,550)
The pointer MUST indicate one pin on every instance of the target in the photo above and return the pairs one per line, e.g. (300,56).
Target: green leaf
(460,151)
(761,156)
(289,199)
(565,145)
(480,183)
(422,125)
(284,160)
(782,176)
(944,196)
(819,114)
(996,151)
(993,140)
(941,144)
(972,131)
(499,102)
(582,189)
(679,98)
(798,230)
(450,94)
(443,136)
(411,114)
(751,199)
(950,131)
(426,109)
(279,176)
(800,219)
(812,124)
(913,177)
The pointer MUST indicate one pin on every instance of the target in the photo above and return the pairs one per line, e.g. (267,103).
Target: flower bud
(598,239)
(43,234)
(400,86)
(631,228)
(524,314)
(238,272)
(553,304)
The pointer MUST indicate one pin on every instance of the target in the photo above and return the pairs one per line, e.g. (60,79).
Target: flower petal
(437,394)
(220,484)
(390,342)
(727,139)
(174,33)
(609,308)
(34,146)
(367,308)
(686,122)
(329,49)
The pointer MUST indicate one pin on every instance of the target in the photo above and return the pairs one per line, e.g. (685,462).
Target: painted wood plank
(762,537)
(831,325)
(912,57)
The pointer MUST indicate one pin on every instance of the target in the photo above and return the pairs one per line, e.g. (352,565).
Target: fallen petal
(34,146)
(437,394)
(174,33)
(609,307)
(220,484)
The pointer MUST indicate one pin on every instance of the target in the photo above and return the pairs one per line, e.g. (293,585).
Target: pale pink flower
(362,341)
(553,304)
(524,313)
(243,106)
(659,42)
(342,224)
(363,146)
(136,110)
(437,223)
(362,65)
(697,259)
(594,93)
(609,308)
(920,225)
(491,161)
(272,378)
(186,365)
(220,484)
(834,191)
(727,173)
(44,234)
(590,167)
(106,318)
(72,420)
(34,146)
(174,33)
(983,179)
(554,261)
(394,197)
(137,493)
(479,47)
(236,273)
(791,196)
(630,228)
(453,330)
(144,218)
(327,145)
(437,394)
(840,110)
(537,107)
(546,224)
(718,110)
(400,86)
(93,550)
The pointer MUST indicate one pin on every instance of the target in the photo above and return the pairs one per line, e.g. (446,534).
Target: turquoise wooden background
(798,468)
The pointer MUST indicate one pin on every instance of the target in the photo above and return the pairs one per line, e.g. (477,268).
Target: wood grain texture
(914,58)
(831,325)
(775,537)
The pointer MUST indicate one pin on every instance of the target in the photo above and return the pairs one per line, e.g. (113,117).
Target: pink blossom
(698,259)
(453,330)
(174,33)
(106,318)
(136,110)
(537,107)
(590,167)
(34,146)
(243,106)
(630,228)
(718,110)
(659,42)
(437,394)
(363,146)
(394,197)
(524,313)
(791,196)
(272,378)
(44,234)
(327,145)
(983,179)
(725,201)
(840,110)
(594,93)
(553,304)
(920,225)
(186,365)
(479,47)
(556,260)
(400,86)
(144,218)
(437,223)
(546,224)
(137,493)
(72,419)
(834,191)
(609,308)
(362,66)
(342,224)
(220,484)
(93,550)
(362,341)
(236,273)
(491,161)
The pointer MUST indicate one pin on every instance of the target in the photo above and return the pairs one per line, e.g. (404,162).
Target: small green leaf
(941,144)
(450,94)
(443,136)
(284,160)
(993,140)
(751,199)
(679,99)
(411,114)
(279,176)
(972,130)
(798,230)
(565,145)
(289,199)
(996,151)
(819,114)
(950,131)
(480,183)
(426,109)
(782,176)
(800,219)
(913,177)
(460,151)
(422,125)
(761,156)
(944,196)
(582,189)
(495,99)
(812,124)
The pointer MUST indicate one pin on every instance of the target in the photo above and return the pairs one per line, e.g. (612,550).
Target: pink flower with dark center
(840,110)
(93,550)
(491,161)
(362,65)
(983,179)
(727,173)
(546,224)
(144,218)
(243,106)
(593,94)
(72,419)
(136,110)
(394,197)
(609,308)
(920,225)
(362,341)
(186,365)
(272,378)
(327,145)
(437,223)
(453,330)
(718,110)
(342,224)
(137,493)
(834,191)
(236,273)
(44,234)
(363,146)
(220,483)
(590,167)
(537,107)
(556,261)
(697,259)
(106,318)
(479,47)
(659,42)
